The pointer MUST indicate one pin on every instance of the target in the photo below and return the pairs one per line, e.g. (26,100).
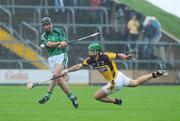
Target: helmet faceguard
(46,24)
(46,20)
(94,49)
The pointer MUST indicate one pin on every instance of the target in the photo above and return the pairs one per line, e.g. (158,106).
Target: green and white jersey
(57,35)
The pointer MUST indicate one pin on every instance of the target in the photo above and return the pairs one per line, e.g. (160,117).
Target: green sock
(48,94)
(70,96)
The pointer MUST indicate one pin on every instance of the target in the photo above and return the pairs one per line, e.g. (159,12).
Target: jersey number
(104,69)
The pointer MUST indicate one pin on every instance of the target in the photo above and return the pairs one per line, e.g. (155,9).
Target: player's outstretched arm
(72,68)
(124,56)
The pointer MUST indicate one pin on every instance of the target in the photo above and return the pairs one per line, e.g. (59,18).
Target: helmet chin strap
(95,54)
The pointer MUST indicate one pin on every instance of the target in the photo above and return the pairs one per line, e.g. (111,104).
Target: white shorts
(58,59)
(120,81)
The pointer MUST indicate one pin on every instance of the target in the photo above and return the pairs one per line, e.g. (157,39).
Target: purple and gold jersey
(105,64)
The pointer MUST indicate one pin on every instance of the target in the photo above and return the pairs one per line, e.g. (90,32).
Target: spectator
(149,32)
(140,18)
(105,3)
(120,15)
(126,10)
(96,13)
(59,4)
(133,27)
(157,51)
(156,24)
(75,3)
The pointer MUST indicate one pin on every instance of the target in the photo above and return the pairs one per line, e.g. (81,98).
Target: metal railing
(9,63)
(98,27)
(12,59)
(136,63)
(70,9)
(9,23)
(34,30)
(35,44)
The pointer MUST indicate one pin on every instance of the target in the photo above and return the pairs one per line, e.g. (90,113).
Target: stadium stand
(20,49)
(81,19)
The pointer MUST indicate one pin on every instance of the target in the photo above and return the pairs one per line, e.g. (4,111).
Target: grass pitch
(145,103)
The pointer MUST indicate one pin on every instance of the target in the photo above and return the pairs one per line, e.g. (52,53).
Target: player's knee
(133,83)
(55,75)
(96,97)
(66,78)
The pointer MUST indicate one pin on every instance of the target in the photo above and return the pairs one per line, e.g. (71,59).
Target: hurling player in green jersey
(55,41)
